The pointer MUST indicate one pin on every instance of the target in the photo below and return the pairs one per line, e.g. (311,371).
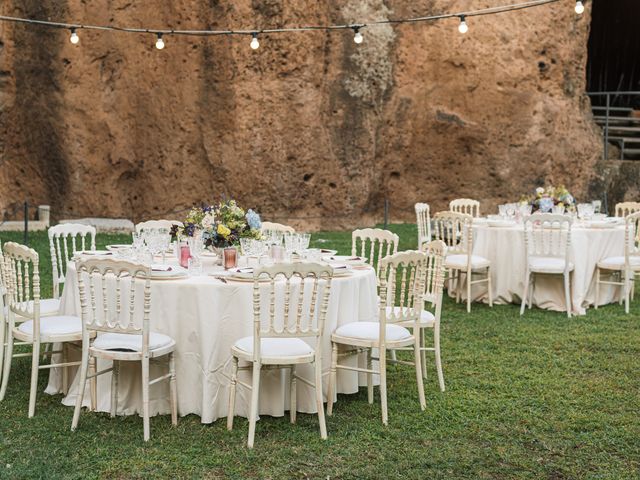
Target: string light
(519,5)
(463,27)
(579,7)
(254,41)
(74,38)
(159,42)
(357,37)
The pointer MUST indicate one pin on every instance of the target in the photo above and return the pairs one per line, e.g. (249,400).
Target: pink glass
(185,255)
(230,255)
(277,253)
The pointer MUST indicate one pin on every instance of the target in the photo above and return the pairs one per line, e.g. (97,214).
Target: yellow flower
(223,230)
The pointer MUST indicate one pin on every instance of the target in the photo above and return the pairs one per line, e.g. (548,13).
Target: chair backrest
(632,237)
(455,230)
(625,208)
(276,227)
(23,282)
(547,235)
(436,251)
(114,295)
(4,278)
(373,244)
(465,205)
(300,310)
(157,224)
(423,220)
(402,287)
(61,238)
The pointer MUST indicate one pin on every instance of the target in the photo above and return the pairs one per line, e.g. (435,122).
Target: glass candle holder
(230,258)
(185,254)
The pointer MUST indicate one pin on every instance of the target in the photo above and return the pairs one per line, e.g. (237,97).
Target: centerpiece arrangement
(219,226)
(545,199)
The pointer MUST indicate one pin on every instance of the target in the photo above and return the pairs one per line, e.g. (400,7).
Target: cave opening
(613,63)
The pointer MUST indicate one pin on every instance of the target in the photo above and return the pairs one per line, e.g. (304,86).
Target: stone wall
(308,125)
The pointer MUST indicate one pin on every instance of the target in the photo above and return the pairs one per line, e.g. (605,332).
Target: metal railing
(613,102)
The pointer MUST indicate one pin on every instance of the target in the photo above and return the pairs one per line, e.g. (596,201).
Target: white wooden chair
(276,227)
(465,205)
(277,343)
(423,217)
(547,241)
(621,270)
(27,326)
(373,244)
(59,238)
(157,224)
(401,306)
(625,208)
(456,231)
(115,317)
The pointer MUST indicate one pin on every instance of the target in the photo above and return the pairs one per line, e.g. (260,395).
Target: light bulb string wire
(346,26)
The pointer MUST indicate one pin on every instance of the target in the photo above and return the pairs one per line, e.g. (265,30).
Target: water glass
(597,206)
(558,210)
(525,210)
(304,240)
(195,266)
(502,210)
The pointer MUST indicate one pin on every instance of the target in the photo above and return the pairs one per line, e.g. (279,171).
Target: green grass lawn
(541,396)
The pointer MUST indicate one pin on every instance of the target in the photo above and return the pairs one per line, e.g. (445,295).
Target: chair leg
(383,385)
(332,390)
(82,385)
(173,389)
(369,377)
(458,285)
(65,370)
(567,294)
(436,345)
(35,368)
(393,355)
(468,279)
(145,398)
(597,300)
(114,387)
(525,291)
(293,387)
(231,411)
(319,404)
(417,353)
(255,393)
(532,286)
(627,291)
(489,287)
(8,354)
(93,383)
(3,335)
(423,352)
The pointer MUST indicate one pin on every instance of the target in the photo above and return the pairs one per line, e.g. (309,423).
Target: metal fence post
(386,212)
(606,129)
(26,222)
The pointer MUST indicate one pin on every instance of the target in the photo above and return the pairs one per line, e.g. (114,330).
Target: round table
(205,316)
(504,247)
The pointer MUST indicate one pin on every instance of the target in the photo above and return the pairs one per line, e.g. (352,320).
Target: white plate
(501,223)
(321,251)
(345,259)
(112,248)
(95,252)
(176,272)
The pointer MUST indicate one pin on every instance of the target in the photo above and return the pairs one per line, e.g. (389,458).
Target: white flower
(540,190)
(208,221)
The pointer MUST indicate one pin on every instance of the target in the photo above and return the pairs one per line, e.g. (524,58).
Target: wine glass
(163,242)
(597,206)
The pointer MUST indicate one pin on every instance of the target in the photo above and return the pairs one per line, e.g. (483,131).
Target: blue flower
(545,204)
(253,220)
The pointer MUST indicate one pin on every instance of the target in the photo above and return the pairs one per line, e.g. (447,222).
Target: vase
(219,254)
(230,255)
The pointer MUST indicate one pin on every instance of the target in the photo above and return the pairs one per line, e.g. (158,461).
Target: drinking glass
(558,210)
(597,206)
(502,210)
(163,242)
(585,211)
(525,210)
(195,266)
(511,209)
(304,239)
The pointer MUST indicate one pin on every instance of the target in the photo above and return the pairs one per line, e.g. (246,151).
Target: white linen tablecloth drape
(504,247)
(206,317)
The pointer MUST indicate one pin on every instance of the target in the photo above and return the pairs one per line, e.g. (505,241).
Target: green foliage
(540,396)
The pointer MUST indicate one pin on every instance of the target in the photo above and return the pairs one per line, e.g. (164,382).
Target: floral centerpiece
(545,199)
(221,225)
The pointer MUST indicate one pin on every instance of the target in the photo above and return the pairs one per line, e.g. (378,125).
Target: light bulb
(74,38)
(159,42)
(579,7)
(463,27)
(254,41)
(358,38)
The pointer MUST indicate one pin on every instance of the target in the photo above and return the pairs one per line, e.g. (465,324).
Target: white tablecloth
(205,317)
(504,247)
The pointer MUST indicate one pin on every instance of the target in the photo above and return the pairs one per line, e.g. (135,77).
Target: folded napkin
(161,268)
(243,270)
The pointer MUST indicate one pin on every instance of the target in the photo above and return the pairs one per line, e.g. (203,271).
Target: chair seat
(54,326)
(427,319)
(130,343)
(272,348)
(617,263)
(371,331)
(460,262)
(548,265)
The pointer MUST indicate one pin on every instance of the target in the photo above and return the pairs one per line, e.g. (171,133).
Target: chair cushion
(54,325)
(48,306)
(617,263)
(426,317)
(460,261)
(276,347)
(130,343)
(371,331)
(548,265)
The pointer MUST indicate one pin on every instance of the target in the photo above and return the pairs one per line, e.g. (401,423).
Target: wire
(377,23)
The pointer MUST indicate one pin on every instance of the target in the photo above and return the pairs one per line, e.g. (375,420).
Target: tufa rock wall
(309,125)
